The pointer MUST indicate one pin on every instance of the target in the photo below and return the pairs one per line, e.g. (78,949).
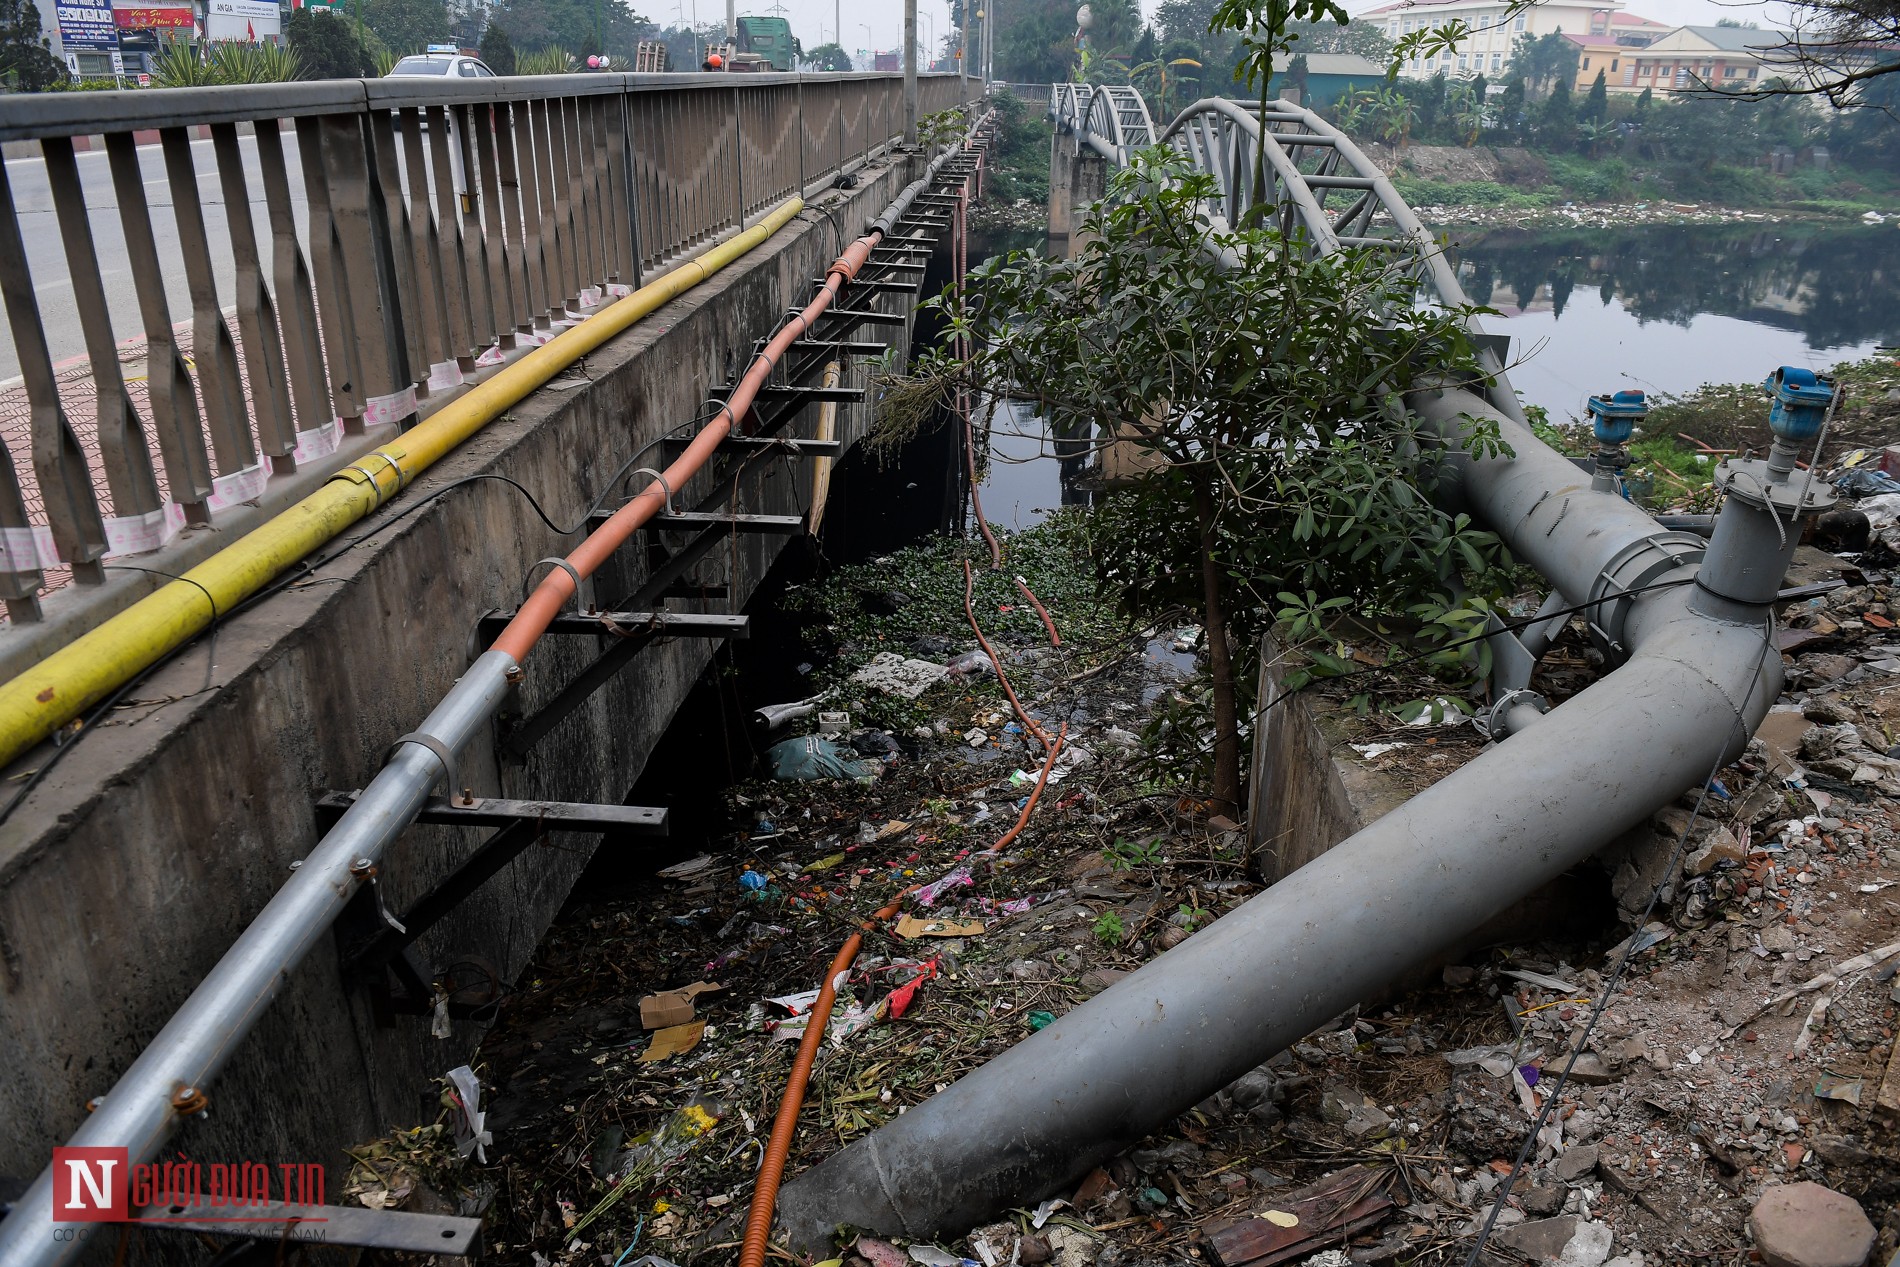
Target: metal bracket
(580,584)
(658,478)
(434,745)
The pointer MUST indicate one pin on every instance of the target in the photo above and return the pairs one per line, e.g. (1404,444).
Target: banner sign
(145,18)
(248,21)
(87,24)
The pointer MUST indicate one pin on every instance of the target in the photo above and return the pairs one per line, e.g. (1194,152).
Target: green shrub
(1589,179)
(1467,193)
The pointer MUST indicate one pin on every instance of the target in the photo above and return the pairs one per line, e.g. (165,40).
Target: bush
(497,51)
(1467,193)
(330,45)
(1589,180)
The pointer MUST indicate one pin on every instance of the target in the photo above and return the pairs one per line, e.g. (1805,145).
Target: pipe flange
(1638,564)
(434,745)
(527,584)
(1493,722)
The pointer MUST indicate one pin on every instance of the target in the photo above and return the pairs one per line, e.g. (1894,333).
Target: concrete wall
(143,854)
(1307,791)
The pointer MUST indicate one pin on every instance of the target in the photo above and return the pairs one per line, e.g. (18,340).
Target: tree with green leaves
(1557,118)
(1286,482)
(408,26)
(830,57)
(26,60)
(1596,106)
(1363,38)
(580,26)
(497,50)
(1543,61)
(330,45)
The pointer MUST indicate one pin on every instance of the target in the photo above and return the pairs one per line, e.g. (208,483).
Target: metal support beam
(496,811)
(779,391)
(773,444)
(627,624)
(857,348)
(852,316)
(326,1225)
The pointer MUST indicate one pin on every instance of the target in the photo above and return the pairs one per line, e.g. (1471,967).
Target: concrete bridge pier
(1078,176)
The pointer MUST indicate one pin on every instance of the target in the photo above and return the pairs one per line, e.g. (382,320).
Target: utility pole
(732,23)
(837,24)
(963,47)
(910,72)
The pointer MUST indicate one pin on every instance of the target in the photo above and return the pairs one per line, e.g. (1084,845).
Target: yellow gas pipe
(72,679)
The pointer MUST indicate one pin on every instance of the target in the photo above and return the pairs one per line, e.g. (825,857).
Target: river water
(1663,308)
(1667,308)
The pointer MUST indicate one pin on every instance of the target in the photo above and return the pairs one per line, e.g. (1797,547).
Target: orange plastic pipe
(545,603)
(996,661)
(758,1228)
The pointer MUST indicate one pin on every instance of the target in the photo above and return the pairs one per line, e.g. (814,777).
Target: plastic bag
(815,757)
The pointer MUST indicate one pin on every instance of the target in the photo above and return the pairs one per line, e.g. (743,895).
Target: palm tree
(1465,113)
(1393,115)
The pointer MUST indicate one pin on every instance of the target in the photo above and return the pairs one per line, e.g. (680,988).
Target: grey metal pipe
(139,1113)
(1380,903)
(1337,930)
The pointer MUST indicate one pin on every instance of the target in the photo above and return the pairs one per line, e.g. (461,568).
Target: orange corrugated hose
(758,1227)
(1055,639)
(545,603)
(996,662)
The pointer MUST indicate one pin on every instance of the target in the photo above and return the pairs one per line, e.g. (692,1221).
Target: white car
(442,59)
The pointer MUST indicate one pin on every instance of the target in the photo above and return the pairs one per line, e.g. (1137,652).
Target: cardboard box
(673,1007)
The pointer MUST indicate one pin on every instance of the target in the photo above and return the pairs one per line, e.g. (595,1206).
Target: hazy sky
(814,21)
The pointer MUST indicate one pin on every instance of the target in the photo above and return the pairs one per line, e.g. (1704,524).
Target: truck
(768,41)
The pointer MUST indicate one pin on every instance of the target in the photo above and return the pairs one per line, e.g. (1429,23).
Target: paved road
(46,254)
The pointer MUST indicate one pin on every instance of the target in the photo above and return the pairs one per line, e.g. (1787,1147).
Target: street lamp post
(910,74)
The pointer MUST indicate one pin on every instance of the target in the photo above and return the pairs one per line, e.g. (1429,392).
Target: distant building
(1699,57)
(1329,76)
(1494,30)
(1600,54)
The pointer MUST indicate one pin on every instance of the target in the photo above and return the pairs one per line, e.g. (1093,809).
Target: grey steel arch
(1111,119)
(1303,172)
(1312,175)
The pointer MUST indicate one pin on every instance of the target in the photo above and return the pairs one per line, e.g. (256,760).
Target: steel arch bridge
(1307,172)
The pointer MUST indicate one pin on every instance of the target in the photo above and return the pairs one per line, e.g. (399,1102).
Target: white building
(1493,30)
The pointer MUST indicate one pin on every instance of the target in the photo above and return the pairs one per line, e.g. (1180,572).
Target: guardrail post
(123,452)
(72,509)
(619,146)
(371,325)
(213,351)
(257,314)
(309,383)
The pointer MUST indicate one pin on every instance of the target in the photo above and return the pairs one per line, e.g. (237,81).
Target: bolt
(514,674)
(298,863)
(92,1105)
(362,867)
(190,1102)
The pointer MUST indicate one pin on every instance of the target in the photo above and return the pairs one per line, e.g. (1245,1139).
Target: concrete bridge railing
(404,235)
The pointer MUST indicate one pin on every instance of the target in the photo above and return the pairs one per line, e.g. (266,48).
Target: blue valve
(1802,398)
(1616,414)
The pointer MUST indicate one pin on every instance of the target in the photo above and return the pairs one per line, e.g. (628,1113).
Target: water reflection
(1670,307)
(1031,472)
